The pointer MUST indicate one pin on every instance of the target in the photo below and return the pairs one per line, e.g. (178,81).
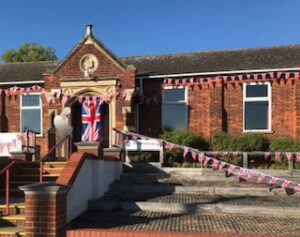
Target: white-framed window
(257,107)
(174,108)
(31,113)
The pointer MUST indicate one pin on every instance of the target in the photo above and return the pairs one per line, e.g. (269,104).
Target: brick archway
(75,122)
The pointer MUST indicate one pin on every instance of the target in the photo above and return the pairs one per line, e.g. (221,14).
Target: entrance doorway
(77,126)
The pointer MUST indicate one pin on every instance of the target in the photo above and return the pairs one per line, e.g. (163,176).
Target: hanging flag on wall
(90,118)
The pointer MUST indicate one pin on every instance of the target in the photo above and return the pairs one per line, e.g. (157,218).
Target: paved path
(193,222)
(271,201)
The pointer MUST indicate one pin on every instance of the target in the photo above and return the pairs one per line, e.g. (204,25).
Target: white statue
(61,123)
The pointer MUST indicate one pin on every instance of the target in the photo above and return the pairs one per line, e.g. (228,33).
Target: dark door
(105,124)
(76,121)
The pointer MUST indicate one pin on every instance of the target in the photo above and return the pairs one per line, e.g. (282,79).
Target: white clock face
(89,63)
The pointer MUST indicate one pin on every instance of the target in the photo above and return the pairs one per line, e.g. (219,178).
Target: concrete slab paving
(192,222)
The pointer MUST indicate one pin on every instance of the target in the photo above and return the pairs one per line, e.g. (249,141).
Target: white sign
(10,143)
(142,145)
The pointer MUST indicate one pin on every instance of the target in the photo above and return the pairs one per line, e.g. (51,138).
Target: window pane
(30,100)
(31,119)
(256,115)
(175,116)
(256,90)
(174,95)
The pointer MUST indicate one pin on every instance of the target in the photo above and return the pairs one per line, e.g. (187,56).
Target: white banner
(142,145)
(10,142)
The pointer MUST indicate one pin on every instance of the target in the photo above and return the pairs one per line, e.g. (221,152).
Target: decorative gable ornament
(88,64)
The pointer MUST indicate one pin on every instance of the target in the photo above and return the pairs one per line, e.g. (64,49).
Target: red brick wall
(233,107)
(107,69)
(219,107)
(199,109)
(212,108)
(10,118)
(150,113)
(71,70)
(284,108)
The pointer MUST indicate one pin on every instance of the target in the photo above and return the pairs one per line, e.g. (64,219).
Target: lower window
(174,108)
(256,115)
(257,107)
(31,113)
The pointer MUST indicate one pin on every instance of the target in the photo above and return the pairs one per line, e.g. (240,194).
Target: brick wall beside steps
(45,212)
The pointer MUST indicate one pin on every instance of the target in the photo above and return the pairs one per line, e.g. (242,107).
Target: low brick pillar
(45,209)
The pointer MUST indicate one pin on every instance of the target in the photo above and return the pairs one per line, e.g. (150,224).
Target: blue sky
(139,27)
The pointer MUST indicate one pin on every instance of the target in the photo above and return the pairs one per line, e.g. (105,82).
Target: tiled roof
(205,61)
(216,61)
(25,71)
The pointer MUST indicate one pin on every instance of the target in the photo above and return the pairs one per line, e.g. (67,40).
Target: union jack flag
(90,120)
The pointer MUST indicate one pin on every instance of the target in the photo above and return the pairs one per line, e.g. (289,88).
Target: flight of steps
(148,195)
(23,174)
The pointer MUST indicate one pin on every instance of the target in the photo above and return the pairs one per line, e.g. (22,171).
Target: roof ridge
(209,51)
(32,62)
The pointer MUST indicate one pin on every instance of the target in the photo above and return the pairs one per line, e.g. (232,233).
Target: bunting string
(119,95)
(216,164)
(190,81)
(20,90)
(266,154)
(15,90)
(22,137)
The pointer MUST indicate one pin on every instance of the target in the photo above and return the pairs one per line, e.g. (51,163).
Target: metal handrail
(6,169)
(42,160)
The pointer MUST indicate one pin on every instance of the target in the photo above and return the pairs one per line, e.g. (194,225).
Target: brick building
(235,91)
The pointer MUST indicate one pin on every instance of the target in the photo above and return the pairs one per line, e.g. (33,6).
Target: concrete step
(185,181)
(28,170)
(12,220)
(123,188)
(15,208)
(197,208)
(14,193)
(52,164)
(202,173)
(184,198)
(12,231)
(26,177)
(191,203)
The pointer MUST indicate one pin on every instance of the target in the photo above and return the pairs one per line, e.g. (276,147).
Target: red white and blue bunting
(230,169)
(255,77)
(267,154)
(15,90)
(81,98)
(22,137)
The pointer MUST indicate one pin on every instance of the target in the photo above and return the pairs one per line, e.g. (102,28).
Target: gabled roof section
(25,71)
(89,37)
(278,57)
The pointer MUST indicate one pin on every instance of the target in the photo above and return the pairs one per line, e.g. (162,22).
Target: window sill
(258,131)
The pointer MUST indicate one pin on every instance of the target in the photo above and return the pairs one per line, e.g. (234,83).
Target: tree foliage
(29,52)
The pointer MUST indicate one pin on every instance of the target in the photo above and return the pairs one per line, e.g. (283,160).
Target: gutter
(22,82)
(217,73)
(137,108)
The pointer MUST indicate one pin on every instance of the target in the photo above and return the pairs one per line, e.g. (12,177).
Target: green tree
(29,52)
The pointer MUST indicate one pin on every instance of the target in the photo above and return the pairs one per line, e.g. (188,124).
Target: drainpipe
(137,108)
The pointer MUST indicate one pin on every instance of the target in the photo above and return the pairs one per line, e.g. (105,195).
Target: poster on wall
(142,145)
(9,142)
